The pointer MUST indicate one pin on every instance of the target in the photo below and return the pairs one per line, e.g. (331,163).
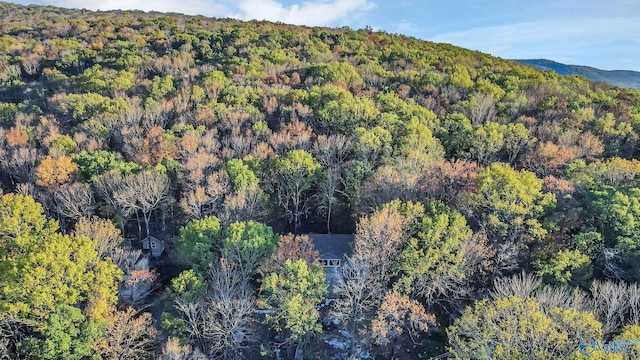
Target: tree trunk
(139,226)
(329,217)
(147,217)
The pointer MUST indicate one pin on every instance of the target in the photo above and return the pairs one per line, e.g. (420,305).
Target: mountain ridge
(620,78)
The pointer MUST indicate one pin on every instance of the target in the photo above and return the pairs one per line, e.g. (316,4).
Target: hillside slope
(452,169)
(621,78)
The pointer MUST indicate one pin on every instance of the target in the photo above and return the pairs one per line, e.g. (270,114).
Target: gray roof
(332,246)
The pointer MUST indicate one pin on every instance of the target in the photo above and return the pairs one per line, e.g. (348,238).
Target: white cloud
(405,27)
(311,13)
(191,7)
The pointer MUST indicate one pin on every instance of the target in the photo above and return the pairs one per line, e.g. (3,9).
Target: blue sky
(599,33)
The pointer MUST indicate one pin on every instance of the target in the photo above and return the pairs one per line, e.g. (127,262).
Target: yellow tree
(55,282)
(516,328)
(53,172)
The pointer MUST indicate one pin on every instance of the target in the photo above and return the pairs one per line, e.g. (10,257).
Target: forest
(494,209)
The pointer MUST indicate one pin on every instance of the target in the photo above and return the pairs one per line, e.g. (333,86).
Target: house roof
(333,246)
(151,237)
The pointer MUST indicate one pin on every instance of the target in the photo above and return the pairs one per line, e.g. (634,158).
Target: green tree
(432,260)
(293,295)
(56,282)
(616,214)
(68,335)
(93,164)
(487,141)
(508,203)
(248,244)
(22,227)
(418,139)
(566,266)
(199,243)
(344,115)
(241,176)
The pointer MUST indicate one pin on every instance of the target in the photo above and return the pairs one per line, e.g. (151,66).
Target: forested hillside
(620,78)
(495,207)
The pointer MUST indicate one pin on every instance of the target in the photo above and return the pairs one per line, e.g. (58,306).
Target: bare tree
(221,322)
(21,164)
(74,201)
(396,315)
(328,186)
(610,258)
(359,295)
(104,234)
(332,150)
(290,247)
(195,202)
(294,136)
(12,330)
(246,204)
(205,196)
(550,297)
(379,239)
(633,293)
(482,108)
(129,335)
(229,311)
(521,285)
(173,350)
(610,304)
(125,258)
(145,192)
(107,186)
(31,63)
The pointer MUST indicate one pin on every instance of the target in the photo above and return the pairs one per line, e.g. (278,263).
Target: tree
(67,333)
(129,334)
(487,141)
(74,201)
(245,200)
(396,315)
(219,319)
(94,164)
(611,303)
(508,203)
(295,174)
(615,213)
(290,247)
(145,192)
(480,108)
(108,186)
(199,243)
(53,172)
(549,159)
(229,311)
(332,150)
(105,236)
(379,239)
(513,328)
(21,163)
(50,279)
(565,267)
(248,244)
(292,295)
(328,187)
(22,227)
(432,261)
(359,295)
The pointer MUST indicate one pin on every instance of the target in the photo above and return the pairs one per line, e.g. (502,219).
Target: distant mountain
(621,78)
